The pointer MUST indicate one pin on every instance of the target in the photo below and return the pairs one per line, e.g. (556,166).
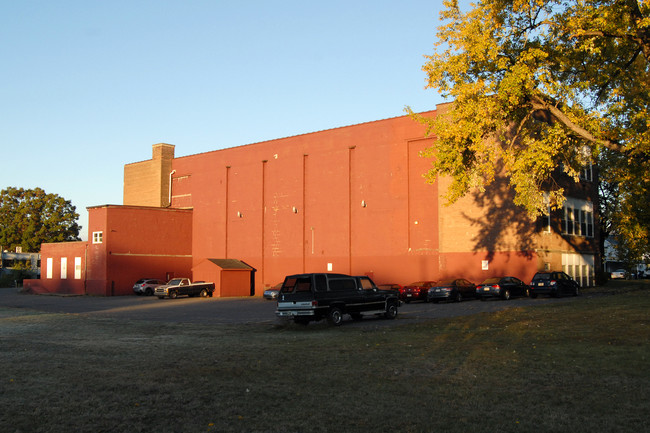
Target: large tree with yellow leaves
(541,87)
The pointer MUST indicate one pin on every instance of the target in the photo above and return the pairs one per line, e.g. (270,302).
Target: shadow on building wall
(503,226)
(500,224)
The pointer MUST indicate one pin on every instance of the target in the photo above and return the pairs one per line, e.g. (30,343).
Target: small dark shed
(231,277)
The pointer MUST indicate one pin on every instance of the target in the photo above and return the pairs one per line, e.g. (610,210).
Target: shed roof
(230,264)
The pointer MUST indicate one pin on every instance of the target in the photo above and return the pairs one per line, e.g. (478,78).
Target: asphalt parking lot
(231,311)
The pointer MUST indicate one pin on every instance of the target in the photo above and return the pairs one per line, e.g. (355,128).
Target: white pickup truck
(184,287)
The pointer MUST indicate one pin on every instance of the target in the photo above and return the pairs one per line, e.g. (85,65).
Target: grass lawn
(576,366)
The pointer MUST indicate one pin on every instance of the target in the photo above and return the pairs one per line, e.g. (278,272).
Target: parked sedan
(502,287)
(553,284)
(619,273)
(417,291)
(272,292)
(147,286)
(452,290)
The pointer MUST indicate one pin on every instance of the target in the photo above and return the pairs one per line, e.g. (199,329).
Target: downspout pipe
(169,203)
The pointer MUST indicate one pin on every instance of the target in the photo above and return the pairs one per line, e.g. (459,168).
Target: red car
(417,291)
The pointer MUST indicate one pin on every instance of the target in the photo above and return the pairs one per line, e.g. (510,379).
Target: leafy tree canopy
(569,79)
(29,217)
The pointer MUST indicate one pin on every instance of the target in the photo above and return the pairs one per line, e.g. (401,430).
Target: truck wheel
(204,293)
(335,316)
(173,295)
(391,311)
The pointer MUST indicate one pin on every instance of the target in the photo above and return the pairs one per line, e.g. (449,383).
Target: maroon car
(417,291)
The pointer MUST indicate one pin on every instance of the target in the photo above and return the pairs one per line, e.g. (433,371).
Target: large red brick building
(348,200)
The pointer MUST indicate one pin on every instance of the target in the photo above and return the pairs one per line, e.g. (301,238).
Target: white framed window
(64,268)
(98,237)
(580,267)
(578,218)
(48,271)
(77,268)
(587,173)
(568,216)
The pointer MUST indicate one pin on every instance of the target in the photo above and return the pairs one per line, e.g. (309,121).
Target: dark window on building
(546,223)
(579,222)
(568,214)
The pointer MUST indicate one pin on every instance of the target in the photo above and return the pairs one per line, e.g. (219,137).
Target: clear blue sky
(88,86)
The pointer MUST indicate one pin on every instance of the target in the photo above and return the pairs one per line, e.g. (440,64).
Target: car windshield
(542,277)
(418,283)
(175,282)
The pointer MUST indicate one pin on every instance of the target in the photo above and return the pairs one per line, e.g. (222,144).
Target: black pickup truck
(183,286)
(313,297)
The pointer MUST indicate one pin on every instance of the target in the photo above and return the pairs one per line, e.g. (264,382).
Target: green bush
(14,277)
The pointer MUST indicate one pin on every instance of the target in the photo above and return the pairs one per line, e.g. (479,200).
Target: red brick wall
(142,242)
(70,282)
(349,200)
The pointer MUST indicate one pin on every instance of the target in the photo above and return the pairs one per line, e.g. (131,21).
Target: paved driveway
(230,310)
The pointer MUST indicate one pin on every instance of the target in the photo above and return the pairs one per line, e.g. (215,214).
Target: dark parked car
(147,286)
(502,287)
(553,284)
(392,286)
(272,292)
(452,290)
(313,297)
(417,291)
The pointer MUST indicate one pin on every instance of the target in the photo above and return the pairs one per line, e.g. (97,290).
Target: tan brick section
(146,183)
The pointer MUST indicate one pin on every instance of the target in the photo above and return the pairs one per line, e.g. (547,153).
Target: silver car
(619,273)
(272,292)
(146,286)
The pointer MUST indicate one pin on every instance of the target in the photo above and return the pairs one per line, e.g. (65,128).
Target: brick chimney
(146,183)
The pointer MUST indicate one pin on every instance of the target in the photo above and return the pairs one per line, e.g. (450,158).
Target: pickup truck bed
(183,287)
